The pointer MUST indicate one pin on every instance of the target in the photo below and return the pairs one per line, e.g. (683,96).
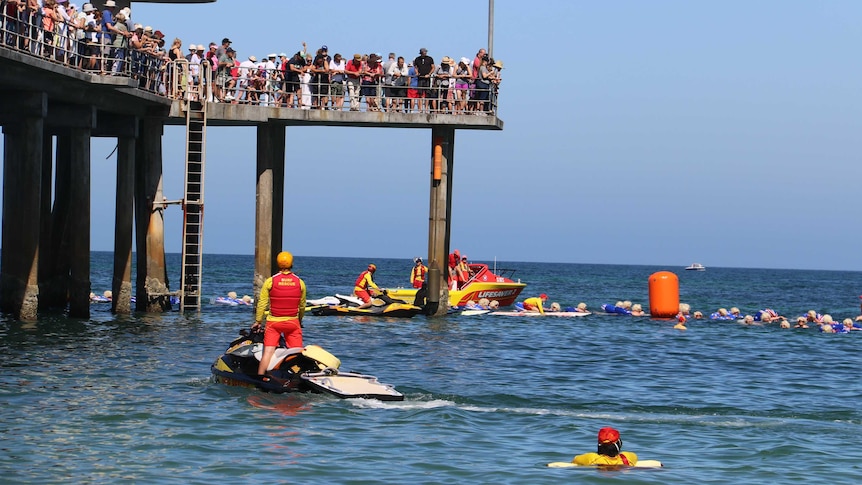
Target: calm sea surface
(488,399)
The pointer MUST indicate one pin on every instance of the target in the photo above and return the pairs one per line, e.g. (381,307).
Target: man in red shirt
(352,71)
(284,293)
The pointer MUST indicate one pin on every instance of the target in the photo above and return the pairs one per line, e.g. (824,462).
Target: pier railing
(77,48)
(259,86)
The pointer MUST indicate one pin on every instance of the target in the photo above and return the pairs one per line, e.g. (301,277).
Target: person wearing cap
(412,101)
(194,58)
(609,451)
(353,71)
(364,284)
(322,52)
(536,304)
(417,274)
(424,65)
(267,98)
(232,75)
(222,49)
(284,294)
(121,43)
(224,82)
(246,69)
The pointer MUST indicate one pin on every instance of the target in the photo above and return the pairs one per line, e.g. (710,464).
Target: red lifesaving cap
(543,296)
(372,267)
(608,435)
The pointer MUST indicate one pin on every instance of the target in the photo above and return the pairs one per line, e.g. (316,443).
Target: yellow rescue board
(639,464)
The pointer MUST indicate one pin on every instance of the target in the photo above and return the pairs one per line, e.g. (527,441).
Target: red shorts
(291,330)
(412,93)
(362,295)
(417,284)
(530,306)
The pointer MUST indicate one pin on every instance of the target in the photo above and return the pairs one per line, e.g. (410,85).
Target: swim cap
(372,267)
(284,260)
(543,296)
(608,435)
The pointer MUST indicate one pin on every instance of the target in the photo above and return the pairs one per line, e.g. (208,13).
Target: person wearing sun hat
(536,303)
(609,451)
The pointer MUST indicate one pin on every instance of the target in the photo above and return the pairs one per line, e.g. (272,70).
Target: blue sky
(636,132)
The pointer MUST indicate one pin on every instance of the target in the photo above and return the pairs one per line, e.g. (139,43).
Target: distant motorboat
(696,267)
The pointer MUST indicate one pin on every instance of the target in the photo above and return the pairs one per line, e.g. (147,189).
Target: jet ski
(381,306)
(302,369)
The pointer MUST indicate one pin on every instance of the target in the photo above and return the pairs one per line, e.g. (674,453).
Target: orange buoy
(663,294)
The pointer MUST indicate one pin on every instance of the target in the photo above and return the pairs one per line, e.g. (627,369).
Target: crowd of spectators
(109,42)
(318,80)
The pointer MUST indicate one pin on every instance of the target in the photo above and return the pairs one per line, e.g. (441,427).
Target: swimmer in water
(609,451)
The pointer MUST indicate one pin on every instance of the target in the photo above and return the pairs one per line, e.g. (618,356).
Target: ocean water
(489,399)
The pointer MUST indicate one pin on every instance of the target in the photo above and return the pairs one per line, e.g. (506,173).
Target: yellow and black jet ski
(381,306)
(301,369)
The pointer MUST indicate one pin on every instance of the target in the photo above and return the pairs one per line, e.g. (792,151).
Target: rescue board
(475,312)
(537,314)
(639,464)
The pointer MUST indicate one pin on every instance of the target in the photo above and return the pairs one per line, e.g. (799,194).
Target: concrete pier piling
(269,212)
(22,181)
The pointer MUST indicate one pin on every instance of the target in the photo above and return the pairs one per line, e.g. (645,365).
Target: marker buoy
(663,294)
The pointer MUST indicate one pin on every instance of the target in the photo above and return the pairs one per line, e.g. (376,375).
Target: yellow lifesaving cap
(284,260)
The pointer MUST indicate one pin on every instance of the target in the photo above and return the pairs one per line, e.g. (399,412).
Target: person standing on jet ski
(417,274)
(284,294)
(363,283)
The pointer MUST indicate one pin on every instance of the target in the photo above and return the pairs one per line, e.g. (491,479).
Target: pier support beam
(152,280)
(121,285)
(269,212)
(79,238)
(54,260)
(442,157)
(22,174)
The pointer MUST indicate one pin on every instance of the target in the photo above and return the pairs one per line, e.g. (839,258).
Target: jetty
(56,101)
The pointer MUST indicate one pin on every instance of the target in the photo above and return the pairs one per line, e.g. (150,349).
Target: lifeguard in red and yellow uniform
(363,283)
(417,274)
(284,294)
(536,303)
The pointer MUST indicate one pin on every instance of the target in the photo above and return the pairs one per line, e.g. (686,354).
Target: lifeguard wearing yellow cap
(284,260)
